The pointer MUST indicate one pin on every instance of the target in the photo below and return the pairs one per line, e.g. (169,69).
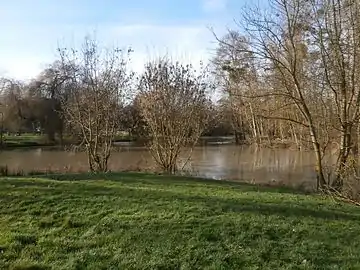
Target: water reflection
(255,164)
(216,161)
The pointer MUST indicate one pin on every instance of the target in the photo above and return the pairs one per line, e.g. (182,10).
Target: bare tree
(277,42)
(306,78)
(236,77)
(337,38)
(172,102)
(14,109)
(97,83)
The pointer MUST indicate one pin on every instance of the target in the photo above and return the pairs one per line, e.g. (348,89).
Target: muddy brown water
(243,163)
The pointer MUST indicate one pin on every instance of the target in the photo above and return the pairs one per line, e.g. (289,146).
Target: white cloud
(21,67)
(25,56)
(31,34)
(190,44)
(214,5)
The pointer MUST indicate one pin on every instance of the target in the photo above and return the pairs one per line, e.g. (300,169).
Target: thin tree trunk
(295,137)
(321,182)
(345,144)
(253,120)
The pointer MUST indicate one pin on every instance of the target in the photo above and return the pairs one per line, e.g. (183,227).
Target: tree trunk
(281,131)
(321,182)
(51,136)
(254,126)
(295,137)
(90,161)
(358,146)
(345,144)
(237,137)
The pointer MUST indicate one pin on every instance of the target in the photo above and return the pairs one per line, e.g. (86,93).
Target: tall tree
(98,81)
(277,42)
(337,37)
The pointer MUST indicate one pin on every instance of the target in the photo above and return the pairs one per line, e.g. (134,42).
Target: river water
(243,163)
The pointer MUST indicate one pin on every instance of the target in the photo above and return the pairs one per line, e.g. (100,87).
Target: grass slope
(25,140)
(139,221)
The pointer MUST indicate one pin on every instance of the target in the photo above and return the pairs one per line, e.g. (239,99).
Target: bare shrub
(173,103)
(97,85)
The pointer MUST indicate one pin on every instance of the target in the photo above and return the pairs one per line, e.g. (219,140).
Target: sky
(31,30)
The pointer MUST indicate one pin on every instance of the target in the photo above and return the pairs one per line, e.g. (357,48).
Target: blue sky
(31,30)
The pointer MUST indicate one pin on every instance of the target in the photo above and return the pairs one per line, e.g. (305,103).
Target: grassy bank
(37,140)
(25,140)
(139,221)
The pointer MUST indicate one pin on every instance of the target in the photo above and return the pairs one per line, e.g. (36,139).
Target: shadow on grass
(280,209)
(160,179)
(288,211)
(214,205)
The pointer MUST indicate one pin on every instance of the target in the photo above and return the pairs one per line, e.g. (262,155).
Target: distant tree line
(291,72)
(37,107)
(288,74)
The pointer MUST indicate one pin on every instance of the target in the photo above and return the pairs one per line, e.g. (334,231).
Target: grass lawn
(25,140)
(31,140)
(139,221)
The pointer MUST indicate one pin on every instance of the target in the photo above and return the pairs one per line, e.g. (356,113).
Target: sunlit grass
(140,221)
(24,140)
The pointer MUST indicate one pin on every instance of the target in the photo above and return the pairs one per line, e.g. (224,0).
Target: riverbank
(25,141)
(143,221)
(37,140)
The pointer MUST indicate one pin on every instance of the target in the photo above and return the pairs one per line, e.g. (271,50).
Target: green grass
(140,221)
(24,137)
(33,140)
(24,140)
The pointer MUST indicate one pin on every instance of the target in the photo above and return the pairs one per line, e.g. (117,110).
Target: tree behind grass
(97,85)
(173,104)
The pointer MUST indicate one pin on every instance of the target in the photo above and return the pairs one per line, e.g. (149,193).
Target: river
(243,163)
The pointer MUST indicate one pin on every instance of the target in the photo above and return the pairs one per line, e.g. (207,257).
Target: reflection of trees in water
(221,162)
(274,159)
(261,164)
(253,164)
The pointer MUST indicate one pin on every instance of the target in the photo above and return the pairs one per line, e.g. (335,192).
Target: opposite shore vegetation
(290,74)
